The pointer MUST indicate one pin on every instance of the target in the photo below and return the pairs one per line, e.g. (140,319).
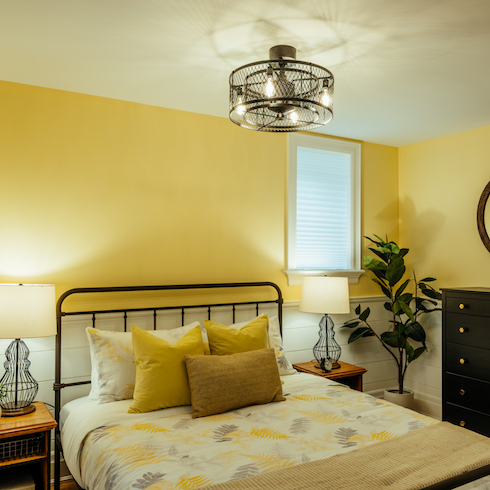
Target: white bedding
(167,449)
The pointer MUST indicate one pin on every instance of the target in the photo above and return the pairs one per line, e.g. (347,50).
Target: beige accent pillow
(222,383)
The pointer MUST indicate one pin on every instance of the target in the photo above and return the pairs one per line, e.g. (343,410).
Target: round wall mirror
(480,217)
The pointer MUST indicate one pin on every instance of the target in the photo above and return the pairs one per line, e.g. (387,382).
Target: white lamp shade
(27,311)
(326,295)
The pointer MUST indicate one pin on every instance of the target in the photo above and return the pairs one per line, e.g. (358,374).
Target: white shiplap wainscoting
(423,375)
(300,334)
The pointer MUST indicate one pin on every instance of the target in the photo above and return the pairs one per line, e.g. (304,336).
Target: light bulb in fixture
(293,116)
(240,108)
(269,88)
(325,97)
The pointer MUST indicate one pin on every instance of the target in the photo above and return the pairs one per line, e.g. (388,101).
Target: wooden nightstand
(25,441)
(347,374)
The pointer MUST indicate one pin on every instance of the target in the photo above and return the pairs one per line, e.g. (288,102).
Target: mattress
(106,447)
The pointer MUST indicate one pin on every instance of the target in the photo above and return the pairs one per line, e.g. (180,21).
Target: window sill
(295,277)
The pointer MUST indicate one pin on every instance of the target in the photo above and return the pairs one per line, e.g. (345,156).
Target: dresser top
(469,290)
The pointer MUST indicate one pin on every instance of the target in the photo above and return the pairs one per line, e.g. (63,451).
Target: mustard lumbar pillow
(222,383)
(224,340)
(161,377)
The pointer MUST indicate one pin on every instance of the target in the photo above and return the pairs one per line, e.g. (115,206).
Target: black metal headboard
(60,313)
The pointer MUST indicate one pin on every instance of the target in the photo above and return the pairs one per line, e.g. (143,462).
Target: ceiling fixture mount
(281,94)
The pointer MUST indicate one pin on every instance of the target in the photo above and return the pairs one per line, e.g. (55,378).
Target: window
(323,208)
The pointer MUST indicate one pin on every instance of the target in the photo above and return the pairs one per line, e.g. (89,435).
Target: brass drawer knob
(462,306)
(462,423)
(462,392)
(463,361)
(462,329)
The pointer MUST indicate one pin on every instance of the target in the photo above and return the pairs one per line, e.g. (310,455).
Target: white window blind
(323,208)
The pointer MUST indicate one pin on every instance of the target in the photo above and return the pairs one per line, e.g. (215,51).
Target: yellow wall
(441,181)
(101,192)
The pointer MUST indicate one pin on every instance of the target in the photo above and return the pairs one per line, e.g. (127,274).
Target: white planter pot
(404,399)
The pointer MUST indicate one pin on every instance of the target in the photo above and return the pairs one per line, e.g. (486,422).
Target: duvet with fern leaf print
(168,449)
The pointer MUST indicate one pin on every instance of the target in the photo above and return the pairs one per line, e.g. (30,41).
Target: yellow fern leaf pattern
(324,418)
(269,462)
(382,436)
(423,418)
(137,455)
(309,398)
(152,428)
(267,433)
(186,483)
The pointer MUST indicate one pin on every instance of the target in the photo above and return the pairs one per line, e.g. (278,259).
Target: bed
(293,430)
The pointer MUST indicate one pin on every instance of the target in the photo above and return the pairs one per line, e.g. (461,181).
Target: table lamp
(26,311)
(326,295)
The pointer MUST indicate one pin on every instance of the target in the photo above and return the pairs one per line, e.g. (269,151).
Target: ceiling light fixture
(281,94)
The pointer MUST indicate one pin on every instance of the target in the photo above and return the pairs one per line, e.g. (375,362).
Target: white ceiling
(405,70)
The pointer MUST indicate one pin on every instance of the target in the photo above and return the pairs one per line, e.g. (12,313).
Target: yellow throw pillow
(161,376)
(225,340)
(222,383)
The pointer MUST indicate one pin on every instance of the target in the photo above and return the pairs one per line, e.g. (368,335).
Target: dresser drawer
(468,330)
(467,392)
(467,304)
(469,419)
(468,361)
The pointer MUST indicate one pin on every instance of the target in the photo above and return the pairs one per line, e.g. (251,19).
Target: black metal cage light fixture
(281,94)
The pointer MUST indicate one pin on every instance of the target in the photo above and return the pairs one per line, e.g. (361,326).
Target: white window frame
(295,276)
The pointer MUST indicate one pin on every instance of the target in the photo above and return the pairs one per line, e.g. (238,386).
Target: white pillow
(275,342)
(113,369)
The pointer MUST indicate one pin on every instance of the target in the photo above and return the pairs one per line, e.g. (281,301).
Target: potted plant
(405,307)
(3,393)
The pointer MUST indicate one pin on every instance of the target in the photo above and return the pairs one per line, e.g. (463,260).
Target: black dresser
(466,358)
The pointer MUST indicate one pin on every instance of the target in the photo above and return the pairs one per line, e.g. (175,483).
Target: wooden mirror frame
(480,217)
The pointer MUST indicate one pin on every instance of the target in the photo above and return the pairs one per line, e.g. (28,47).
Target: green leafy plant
(389,268)
(3,391)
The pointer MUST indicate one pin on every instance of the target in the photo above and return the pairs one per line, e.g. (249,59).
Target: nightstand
(25,444)
(347,374)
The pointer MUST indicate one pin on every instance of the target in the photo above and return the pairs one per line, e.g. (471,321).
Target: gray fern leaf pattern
(221,432)
(281,451)
(301,426)
(110,481)
(414,425)
(101,432)
(346,414)
(172,452)
(245,471)
(147,480)
(282,361)
(184,424)
(343,435)
(305,459)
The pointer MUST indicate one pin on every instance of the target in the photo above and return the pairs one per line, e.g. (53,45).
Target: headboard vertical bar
(93,320)
(183,315)
(234,309)
(209,313)
(154,319)
(257,308)
(125,321)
